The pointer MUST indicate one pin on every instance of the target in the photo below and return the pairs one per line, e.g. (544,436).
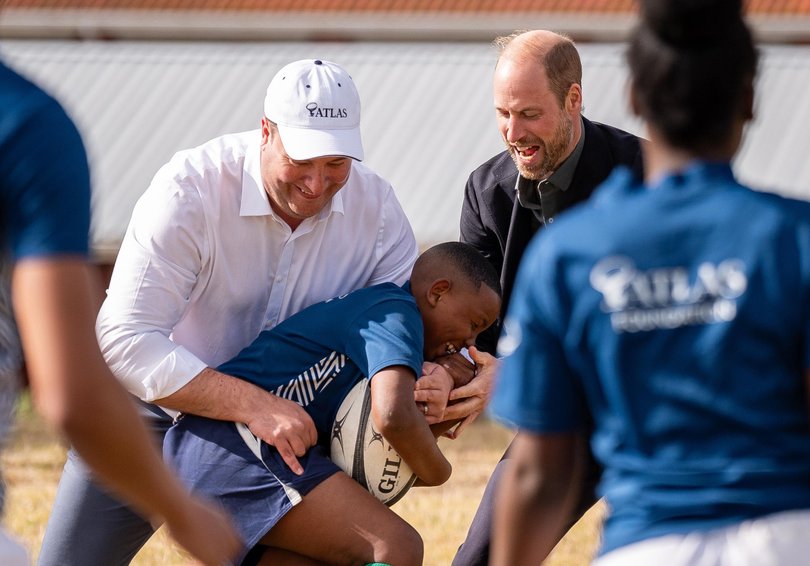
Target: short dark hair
(467,260)
(691,63)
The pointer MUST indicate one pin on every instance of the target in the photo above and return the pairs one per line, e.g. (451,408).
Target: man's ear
(573,99)
(437,289)
(266,133)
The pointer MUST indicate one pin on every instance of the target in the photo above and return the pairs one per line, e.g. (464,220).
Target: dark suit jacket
(494,222)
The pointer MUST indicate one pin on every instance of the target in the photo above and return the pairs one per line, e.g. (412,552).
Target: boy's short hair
(466,260)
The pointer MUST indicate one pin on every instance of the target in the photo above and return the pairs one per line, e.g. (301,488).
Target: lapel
(522,226)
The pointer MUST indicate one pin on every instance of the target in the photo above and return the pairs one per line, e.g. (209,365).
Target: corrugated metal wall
(427,112)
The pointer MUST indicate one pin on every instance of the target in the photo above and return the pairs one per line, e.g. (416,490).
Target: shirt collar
(697,173)
(529,191)
(255,201)
(564,174)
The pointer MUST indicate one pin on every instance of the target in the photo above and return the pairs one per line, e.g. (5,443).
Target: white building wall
(427,112)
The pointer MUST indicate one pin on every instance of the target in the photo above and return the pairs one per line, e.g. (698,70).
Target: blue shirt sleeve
(388,333)
(536,389)
(44,174)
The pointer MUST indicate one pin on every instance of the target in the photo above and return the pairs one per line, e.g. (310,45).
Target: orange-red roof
(772,7)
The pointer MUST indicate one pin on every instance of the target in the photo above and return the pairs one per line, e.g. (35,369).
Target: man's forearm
(278,422)
(216,395)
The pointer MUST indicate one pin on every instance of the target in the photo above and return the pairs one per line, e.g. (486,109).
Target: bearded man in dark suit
(554,159)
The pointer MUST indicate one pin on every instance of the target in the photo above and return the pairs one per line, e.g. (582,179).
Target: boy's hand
(460,368)
(432,391)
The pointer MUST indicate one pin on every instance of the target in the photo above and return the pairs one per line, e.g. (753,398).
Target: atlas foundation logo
(316,111)
(668,297)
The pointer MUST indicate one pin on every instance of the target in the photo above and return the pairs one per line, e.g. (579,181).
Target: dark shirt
(543,197)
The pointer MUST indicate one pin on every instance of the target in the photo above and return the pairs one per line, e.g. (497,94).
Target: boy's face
(457,314)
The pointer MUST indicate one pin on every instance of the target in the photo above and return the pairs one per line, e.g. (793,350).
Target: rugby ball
(362,452)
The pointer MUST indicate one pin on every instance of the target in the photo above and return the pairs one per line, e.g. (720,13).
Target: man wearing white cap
(231,238)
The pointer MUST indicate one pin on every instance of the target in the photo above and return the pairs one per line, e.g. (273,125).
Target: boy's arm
(402,423)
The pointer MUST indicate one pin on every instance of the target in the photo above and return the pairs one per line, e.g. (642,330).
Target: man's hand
(204,531)
(433,390)
(287,426)
(471,399)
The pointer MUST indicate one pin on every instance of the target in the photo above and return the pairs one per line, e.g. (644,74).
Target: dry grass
(33,462)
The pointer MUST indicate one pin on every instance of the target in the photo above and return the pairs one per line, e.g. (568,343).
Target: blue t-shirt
(678,317)
(317,355)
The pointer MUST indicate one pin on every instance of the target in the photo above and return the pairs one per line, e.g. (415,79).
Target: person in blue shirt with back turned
(48,303)
(382,333)
(675,311)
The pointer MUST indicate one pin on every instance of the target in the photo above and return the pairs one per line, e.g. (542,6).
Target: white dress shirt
(206,264)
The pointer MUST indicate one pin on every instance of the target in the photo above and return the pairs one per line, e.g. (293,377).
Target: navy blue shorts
(213,459)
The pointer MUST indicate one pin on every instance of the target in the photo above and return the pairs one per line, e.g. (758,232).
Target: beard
(552,151)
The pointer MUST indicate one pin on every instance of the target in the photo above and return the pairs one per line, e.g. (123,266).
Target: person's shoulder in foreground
(45,195)
(699,302)
(40,200)
(624,199)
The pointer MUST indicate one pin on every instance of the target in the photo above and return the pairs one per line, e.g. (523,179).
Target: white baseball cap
(316,107)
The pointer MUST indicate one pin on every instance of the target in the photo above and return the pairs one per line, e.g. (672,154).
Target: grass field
(33,462)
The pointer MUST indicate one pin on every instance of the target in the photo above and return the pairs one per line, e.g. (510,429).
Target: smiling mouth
(306,195)
(526,152)
(449,349)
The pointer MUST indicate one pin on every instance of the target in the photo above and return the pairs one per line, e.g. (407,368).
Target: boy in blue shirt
(382,333)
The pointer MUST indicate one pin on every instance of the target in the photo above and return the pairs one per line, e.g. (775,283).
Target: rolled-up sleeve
(155,273)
